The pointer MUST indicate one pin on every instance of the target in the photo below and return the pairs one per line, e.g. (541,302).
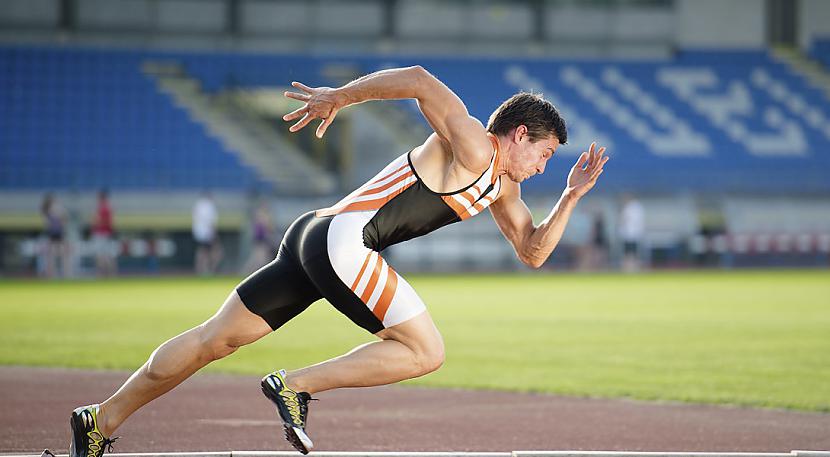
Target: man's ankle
(295,383)
(105,426)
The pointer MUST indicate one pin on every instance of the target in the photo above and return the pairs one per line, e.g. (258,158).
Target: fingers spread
(600,160)
(302,86)
(596,160)
(321,129)
(302,123)
(297,96)
(591,155)
(581,161)
(598,171)
(295,114)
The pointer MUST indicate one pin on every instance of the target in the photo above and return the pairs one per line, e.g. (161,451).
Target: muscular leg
(178,358)
(407,350)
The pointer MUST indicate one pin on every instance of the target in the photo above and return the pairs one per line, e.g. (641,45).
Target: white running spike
(303,438)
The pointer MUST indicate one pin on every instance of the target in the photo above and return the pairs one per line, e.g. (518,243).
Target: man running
(333,253)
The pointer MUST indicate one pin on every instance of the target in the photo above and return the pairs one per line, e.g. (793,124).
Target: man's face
(528,158)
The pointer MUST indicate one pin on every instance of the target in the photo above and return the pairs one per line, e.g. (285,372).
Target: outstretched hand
(585,172)
(320,103)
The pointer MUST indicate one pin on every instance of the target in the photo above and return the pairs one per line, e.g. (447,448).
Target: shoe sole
(295,435)
(76,425)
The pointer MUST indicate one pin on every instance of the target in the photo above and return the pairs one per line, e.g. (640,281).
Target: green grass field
(748,338)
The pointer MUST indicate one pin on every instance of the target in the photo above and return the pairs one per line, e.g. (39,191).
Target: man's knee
(430,358)
(215,346)
(197,346)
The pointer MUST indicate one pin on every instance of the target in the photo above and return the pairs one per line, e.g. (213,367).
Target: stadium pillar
(67,15)
(232,18)
(390,25)
(782,22)
(538,9)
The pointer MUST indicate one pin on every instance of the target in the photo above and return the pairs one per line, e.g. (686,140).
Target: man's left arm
(534,244)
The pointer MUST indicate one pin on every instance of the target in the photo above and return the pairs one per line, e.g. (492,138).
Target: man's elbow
(531,260)
(419,71)
(421,80)
(418,74)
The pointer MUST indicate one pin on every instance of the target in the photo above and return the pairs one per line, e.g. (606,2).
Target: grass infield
(745,338)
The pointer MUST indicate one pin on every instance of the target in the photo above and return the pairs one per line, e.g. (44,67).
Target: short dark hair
(534,112)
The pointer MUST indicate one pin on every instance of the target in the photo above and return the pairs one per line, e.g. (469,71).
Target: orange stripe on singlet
(387,295)
(458,208)
(391,183)
(390,174)
(480,205)
(362,269)
(373,281)
(339,206)
(470,195)
(368,205)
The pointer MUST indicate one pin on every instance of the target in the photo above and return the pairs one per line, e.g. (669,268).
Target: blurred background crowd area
(144,136)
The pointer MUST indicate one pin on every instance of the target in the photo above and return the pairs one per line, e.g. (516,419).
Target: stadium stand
(81,118)
(714,121)
(735,123)
(820,50)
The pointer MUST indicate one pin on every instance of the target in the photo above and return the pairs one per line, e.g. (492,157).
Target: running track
(222,412)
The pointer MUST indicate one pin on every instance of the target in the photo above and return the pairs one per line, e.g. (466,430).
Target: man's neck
(503,152)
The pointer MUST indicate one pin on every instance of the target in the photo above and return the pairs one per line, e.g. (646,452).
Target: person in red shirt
(102,232)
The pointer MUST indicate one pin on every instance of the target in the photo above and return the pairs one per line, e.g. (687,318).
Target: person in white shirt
(632,231)
(208,247)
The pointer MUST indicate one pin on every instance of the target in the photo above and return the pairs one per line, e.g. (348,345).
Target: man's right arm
(442,108)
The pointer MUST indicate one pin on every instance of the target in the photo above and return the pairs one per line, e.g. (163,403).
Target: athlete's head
(533,128)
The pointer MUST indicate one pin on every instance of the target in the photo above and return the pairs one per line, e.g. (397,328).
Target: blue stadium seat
(85,118)
(702,121)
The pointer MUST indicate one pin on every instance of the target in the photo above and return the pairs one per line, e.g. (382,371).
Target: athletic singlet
(334,253)
(403,207)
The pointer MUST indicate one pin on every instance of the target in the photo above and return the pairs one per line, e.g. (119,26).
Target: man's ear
(519,133)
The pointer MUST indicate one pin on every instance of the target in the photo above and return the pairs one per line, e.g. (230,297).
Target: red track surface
(218,413)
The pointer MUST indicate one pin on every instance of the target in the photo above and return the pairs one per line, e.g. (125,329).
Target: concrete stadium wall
(35,13)
(813,20)
(423,26)
(718,24)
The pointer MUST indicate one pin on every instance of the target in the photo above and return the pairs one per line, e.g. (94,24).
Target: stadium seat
(703,121)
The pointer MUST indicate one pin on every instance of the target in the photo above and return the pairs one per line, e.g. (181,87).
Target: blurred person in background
(56,248)
(593,253)
(262,249)
(599,242)
(578,237)
(459,171)
(632,231)
(208,246)
(102,233)
(592,248)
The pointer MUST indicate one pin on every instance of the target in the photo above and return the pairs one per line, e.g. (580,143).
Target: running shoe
(292,408)
(87,439)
